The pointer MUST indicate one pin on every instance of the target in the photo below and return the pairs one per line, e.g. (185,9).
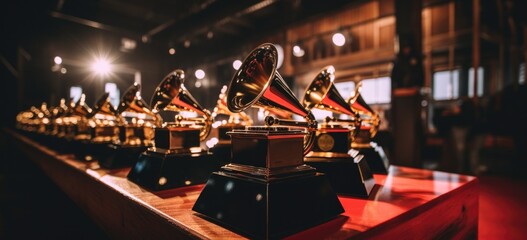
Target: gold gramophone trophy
(176,160)
(363,142)
(225,121)
(97,131)
(348,172)
(63,127)
(136,123)
(267,191)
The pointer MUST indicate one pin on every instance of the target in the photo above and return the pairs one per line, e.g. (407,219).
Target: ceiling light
(298,51)
(101,66)
(339,39)
(57,60)
(200,74)
(172,51)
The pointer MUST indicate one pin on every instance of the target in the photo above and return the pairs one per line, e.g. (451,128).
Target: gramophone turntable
(348,173)
(176,160)
(136,123)
(267,191)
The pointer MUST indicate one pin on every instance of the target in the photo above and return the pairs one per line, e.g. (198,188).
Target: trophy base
(376,158)
(222,152)
(349,175)
(268,209)
(119,156)
(156,171)
(85,150)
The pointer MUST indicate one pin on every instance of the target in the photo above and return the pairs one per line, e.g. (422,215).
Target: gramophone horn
(171,95)
(81,108)
(257,83)
(104,107)
(133,102)
(221,108)
(369,117)
(323,94)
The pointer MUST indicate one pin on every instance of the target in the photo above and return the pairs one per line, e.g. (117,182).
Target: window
(521,79)
(374,90)
(446,85)
(114,93)
(471,82)
(75,93)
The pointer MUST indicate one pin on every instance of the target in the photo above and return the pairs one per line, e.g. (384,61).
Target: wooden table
(407,203)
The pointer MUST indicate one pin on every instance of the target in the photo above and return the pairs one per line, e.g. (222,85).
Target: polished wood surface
(406,203)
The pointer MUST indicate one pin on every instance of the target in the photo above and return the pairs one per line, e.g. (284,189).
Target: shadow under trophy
(176,160)
(136,123)
(267,191)
(363,142)
(346,169)
(225,121)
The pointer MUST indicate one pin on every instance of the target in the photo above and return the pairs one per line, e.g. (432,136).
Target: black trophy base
(119,156)
(268,210)
(376,158)
(222,152)
(156,171)
(87,151)
(348,175)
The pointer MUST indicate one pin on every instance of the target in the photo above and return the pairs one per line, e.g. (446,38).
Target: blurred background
(464,58)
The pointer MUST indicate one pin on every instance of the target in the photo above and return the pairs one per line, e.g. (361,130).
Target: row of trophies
(279,178)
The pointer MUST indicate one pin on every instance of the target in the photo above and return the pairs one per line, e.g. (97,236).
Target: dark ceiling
(34,31)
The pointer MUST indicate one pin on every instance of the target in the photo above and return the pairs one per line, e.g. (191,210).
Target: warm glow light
(236,64)
(339,39)
(298,51)
(101,66)
(63,70)
(57,60)
(197,84)
(200,74)
(172,51)
(186,43)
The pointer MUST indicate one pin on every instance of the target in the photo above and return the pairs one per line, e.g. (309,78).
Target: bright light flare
(101,67)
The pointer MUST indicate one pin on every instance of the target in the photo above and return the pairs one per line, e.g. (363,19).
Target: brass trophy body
(176,160)
(363,142)
(225,121)
(64,126)
(136,123)
(76,128)
(97,131)
(348,172)
(267,191)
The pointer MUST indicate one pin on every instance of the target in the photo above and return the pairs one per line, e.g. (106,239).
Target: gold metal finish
(103,120)
(134,114)
(257,83)
(370,119)
(221,108)
(171,95)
